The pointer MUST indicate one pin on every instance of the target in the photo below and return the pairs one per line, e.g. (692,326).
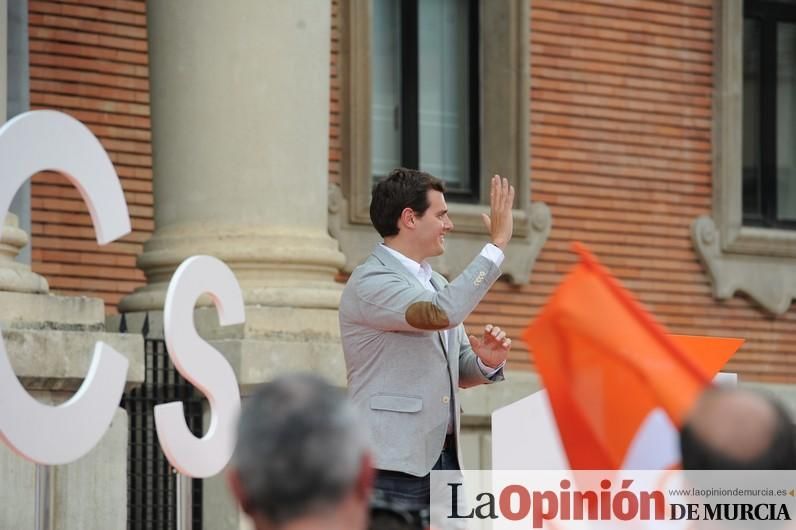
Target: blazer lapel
(389,260)
(441,334)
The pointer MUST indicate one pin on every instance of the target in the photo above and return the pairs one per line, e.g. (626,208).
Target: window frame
(504,139)
(409,115)
(768,14)
(758,261)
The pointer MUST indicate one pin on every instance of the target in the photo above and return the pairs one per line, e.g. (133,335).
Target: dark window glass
(769,113)
(786,121)
(752,207)
(424,103)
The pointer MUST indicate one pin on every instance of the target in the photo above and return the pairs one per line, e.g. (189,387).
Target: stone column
(240,103)
(240,110)
(240,106)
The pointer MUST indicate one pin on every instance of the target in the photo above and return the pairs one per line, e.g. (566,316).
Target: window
(422,87)
(424,106)
(769,114)
(748,243)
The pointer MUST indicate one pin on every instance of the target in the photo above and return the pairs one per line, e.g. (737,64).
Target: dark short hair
(403,188)
(300,448)
(698,454)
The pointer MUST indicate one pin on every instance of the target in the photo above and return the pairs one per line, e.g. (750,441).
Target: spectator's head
(409,206)
(732,428)
(301,457)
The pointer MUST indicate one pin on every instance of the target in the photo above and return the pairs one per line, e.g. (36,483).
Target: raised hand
(500,223)
(493,348)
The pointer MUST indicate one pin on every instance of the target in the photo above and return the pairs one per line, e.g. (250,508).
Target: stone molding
(287,266)
(50,339)
(757,261)
(769,280)
(51,359)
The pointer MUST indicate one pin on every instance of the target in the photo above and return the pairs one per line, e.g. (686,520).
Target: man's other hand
(500,222)
(493,348)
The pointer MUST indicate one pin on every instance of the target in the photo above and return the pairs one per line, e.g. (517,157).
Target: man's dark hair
(300,448)
(403,188)
(780,453)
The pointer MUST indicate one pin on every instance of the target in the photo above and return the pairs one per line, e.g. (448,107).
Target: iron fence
(151,481)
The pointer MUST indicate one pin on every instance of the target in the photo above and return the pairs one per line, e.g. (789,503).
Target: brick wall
(88,58)
(621,152)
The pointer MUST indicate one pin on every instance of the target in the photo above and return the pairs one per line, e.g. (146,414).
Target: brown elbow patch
(425,315)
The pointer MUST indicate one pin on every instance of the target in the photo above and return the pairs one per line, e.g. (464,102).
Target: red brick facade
(89,59)
(621,119)
(620,150)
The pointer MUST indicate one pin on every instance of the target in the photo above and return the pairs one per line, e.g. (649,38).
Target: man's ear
(367,476)
(236,487)
(407,218)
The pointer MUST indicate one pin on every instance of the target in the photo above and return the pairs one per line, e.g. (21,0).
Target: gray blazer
(400,375)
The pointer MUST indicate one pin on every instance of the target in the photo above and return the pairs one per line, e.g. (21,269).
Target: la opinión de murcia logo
(516,502)
(729,512)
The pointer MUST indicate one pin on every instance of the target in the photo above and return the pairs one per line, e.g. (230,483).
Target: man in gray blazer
(405,347)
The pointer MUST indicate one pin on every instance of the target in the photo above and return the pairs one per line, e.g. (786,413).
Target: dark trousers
(408,492)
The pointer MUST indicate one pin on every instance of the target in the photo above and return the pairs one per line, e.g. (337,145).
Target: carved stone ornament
(768,280)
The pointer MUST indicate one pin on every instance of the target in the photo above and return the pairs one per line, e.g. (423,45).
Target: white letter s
(202,365)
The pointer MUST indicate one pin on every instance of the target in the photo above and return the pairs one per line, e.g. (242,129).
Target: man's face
(430,229)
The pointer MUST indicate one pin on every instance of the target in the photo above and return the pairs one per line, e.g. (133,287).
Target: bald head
(737,429)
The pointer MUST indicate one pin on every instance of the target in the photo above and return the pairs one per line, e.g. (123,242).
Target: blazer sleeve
(389,302)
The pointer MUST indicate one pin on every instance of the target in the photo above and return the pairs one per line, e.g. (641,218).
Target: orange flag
(606,364)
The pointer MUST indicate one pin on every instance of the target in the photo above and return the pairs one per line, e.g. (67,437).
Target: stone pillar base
(50,342)
(271,342)
(90,494)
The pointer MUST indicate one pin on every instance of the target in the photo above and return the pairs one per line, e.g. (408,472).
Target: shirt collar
(421,271)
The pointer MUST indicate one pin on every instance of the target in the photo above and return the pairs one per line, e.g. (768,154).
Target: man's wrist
(493,253)
(488,370)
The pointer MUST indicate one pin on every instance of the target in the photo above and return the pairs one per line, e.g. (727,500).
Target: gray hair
(299,448)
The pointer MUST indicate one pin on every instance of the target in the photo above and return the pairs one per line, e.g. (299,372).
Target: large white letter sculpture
(202,365)
(48,140)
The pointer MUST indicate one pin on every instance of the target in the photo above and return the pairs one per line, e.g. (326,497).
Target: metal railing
(151,481)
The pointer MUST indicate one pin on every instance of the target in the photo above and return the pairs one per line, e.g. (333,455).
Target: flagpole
(43,499)
(184,502)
